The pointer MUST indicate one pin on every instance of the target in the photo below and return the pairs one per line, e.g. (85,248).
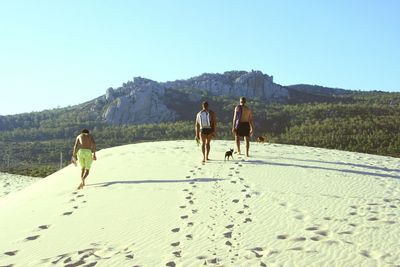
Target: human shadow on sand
(321,168)
(197,180)
(343,163)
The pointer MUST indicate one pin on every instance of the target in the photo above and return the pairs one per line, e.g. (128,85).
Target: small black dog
(228,154)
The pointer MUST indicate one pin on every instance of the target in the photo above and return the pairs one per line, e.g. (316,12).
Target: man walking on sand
(85,151)
(242,124)
(205,128)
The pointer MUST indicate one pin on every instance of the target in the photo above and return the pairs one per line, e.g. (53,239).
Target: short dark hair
(205,104)
(86,131)
(243,99)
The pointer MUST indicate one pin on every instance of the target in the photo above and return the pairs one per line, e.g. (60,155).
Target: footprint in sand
(247,220)
(230,226)
(30,238)
(170,264)
(11,253)
(228,235)
(67,213)
(129,256)
(389,222)
(175,244)
(175,230)
(43,227)
(316,238)
(228,243)
(282,237)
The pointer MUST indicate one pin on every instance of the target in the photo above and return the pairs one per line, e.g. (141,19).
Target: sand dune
(155,204)
(11,183)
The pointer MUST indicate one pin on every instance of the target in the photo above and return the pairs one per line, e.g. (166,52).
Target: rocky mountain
(137,102)
(144,101)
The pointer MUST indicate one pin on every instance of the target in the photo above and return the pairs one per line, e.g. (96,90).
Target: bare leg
(82,179)
(208,146)
(203,139)
(237,139)
(247,139)
(84,174)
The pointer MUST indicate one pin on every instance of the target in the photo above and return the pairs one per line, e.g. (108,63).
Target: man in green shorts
(85,152)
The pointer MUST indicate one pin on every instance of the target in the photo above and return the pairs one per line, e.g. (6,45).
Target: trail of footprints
(38,231)
(76,197)
(91,256)
(189,210)
(224,238)
(87,257)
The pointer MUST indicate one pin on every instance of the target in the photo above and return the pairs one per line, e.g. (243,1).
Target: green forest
(369,122)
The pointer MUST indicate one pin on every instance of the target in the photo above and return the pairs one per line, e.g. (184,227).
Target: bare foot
(80,186)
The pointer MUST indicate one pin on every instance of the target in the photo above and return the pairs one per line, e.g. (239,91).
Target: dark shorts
(243,129)
(206,131)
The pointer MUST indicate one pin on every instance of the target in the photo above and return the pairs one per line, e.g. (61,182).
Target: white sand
(12,182)
(155,204)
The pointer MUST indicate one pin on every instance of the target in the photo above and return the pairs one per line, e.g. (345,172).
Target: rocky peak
(236,83)
(138,102)
(141,100)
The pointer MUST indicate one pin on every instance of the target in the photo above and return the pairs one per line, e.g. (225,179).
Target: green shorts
(85,158)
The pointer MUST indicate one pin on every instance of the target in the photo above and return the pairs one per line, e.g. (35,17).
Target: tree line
(31,143)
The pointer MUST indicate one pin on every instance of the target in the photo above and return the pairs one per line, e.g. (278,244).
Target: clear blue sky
(60,53)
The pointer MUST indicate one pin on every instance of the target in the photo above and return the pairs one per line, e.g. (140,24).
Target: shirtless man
(85,151)
(242,125)
(206,124)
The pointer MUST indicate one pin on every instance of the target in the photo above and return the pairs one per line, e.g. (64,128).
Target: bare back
(246,115)
(86,141)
